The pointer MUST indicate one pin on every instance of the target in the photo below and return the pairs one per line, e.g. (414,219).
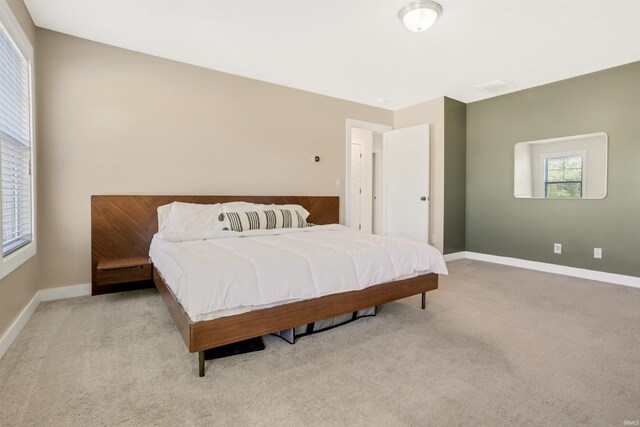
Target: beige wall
(17,289)
(431,112)
(113,121)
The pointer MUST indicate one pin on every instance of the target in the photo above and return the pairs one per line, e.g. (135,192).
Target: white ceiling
(358,49)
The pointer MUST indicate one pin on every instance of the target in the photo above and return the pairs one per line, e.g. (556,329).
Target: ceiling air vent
(494,86)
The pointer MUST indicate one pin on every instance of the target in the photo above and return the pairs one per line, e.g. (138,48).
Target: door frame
(377,223)
(350,124)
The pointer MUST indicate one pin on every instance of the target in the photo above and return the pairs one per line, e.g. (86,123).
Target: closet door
(361,208)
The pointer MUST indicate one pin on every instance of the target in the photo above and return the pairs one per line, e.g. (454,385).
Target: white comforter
(227,273)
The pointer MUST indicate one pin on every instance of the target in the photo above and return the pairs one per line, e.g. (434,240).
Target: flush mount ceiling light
(420,15)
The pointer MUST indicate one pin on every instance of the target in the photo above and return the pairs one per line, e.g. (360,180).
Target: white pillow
(239,206)
(163,216)
(189,217)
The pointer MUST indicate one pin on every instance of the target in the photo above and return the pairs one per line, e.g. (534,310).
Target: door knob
(423,198)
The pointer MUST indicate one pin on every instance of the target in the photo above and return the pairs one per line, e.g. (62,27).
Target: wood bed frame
(123,226)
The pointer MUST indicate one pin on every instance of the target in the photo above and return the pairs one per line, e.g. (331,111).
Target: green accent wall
(499,224)
(455,153)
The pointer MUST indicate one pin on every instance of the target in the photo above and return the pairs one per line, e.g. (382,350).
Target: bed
(288,277)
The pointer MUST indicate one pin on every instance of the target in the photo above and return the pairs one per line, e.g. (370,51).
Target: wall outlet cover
(557,248)
(597,253)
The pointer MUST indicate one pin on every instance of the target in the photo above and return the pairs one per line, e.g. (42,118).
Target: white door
(356,179)
(361,180)
(376,217)
(405,165)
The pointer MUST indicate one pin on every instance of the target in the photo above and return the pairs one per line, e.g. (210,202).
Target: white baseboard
(583,273)
(65,292)
(455,256)
(19,323)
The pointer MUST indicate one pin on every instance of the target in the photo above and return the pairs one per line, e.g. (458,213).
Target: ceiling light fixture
(420,15)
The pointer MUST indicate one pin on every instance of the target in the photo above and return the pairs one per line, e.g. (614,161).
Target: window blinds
(15,145)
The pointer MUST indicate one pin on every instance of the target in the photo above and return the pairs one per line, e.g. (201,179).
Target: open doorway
(363,179)
(388,180)
(377,210)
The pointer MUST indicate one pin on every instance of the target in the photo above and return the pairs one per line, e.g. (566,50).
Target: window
(16,144)
(563,177)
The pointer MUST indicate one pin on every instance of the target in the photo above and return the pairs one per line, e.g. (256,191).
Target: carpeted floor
(496,346)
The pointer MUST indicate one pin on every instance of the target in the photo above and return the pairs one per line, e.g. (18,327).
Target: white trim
(16,259)
(65,292)
(17,34)
(576,153)
(19,323)
(455,256)
(582,273)
(351,123)
(377,225)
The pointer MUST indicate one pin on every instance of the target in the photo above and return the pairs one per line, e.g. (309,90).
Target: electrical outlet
(597,253)
(557,248)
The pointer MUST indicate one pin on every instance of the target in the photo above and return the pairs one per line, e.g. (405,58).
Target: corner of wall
(455,166)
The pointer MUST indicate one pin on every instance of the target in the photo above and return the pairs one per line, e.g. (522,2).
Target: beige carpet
(496,346)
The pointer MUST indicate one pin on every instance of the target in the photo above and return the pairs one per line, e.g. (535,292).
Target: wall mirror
(573,167)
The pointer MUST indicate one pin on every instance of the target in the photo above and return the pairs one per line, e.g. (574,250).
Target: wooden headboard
(122,226)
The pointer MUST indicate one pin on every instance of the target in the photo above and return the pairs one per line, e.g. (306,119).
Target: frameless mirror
(574,167)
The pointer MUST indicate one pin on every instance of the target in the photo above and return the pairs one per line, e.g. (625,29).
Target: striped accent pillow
(265,220)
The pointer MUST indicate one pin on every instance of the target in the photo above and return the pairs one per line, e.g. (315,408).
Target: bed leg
(201,363)
(424,300)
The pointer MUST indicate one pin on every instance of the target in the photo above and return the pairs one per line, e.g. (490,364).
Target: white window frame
(578,153)
(18,257)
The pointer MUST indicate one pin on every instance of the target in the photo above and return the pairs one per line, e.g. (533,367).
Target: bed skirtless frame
(123,226)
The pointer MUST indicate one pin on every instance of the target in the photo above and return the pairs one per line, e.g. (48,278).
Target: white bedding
(225,273)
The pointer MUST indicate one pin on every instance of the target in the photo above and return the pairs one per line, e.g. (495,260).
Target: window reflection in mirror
(573,167)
